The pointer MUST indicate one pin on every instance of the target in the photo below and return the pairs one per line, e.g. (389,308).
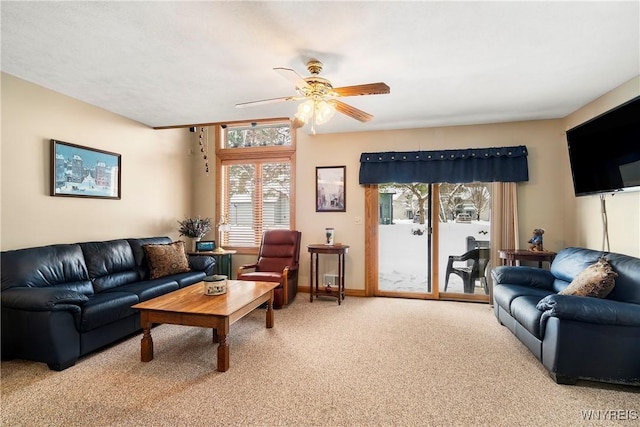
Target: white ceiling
(447,63)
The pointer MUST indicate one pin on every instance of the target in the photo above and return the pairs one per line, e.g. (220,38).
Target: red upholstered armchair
(277,262)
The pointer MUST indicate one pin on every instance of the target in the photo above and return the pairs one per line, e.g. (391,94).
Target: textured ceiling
(447,63)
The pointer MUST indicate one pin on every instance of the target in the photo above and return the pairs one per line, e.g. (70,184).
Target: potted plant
(194,228)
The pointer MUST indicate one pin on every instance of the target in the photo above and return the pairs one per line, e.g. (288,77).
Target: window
(255,182)
(254,135)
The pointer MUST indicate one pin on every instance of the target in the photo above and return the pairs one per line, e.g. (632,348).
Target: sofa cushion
(148,289)
(597,280)
(106,307)
(207,264)
(188,278)
(61,266)
(504,295)
(166,259)
(524,310)
(110,264)
(570,262)
(627,287)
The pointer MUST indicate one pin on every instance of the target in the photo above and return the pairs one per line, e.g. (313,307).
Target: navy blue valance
(494,164)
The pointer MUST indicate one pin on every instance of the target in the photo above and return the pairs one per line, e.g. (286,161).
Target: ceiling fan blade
(292,76)
(268,101)
(352,111)
(366,89)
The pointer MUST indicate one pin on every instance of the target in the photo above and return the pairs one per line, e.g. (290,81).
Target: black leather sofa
(575,337)
(63,301)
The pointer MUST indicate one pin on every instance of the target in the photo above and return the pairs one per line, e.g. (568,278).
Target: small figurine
(536,240)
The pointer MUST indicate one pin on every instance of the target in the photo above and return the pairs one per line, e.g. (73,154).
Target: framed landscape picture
(331,192)
(78,171)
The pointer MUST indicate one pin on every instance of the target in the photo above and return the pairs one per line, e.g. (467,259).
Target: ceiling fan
(319,96)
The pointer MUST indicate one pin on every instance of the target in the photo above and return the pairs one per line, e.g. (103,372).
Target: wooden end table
(189,306)
(337,249)
(510,256)
(223,259)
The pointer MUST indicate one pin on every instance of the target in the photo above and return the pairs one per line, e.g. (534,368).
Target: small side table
(315,250)
(223,260)
(510,256)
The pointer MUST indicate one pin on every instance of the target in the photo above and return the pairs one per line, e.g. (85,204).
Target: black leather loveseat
(575,337)
(62,301)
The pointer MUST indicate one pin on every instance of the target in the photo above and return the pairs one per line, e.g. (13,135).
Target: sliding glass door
(429,241)
(404,240)
(464,227)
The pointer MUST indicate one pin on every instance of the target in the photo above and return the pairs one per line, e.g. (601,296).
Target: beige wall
(623,210)
(156,171)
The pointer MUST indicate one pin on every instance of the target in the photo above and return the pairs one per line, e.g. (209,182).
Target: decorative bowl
(215,285)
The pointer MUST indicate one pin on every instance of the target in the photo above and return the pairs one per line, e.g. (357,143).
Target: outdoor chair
(475,264)
(277,262)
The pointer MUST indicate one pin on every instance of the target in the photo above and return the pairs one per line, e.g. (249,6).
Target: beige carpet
(370,361)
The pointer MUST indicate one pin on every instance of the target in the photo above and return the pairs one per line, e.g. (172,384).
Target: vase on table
(194,229)
(329,235)
(194,243)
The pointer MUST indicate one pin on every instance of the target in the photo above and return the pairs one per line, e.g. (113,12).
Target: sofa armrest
(43,299)
(203,263)
(590,310)
(523,276)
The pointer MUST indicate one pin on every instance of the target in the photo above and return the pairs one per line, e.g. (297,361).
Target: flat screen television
(604,152)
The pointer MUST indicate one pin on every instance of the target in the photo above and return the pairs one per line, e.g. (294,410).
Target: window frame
(257,156)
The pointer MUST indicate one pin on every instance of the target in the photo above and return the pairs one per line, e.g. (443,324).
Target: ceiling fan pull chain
(313,116)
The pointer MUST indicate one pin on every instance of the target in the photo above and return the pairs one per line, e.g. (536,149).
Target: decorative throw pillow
(166,259)
(597,280)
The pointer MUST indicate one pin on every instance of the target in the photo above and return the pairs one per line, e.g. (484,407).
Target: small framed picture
(331,191)
(78,171)
(205,246)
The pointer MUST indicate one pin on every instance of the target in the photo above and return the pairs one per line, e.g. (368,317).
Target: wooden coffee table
(190,307)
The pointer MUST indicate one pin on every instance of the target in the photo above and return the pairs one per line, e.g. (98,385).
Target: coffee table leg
(223,353)
(146,344)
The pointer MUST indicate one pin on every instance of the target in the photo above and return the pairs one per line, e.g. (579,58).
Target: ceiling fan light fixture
(317,111)
(305,111)
(324,111)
